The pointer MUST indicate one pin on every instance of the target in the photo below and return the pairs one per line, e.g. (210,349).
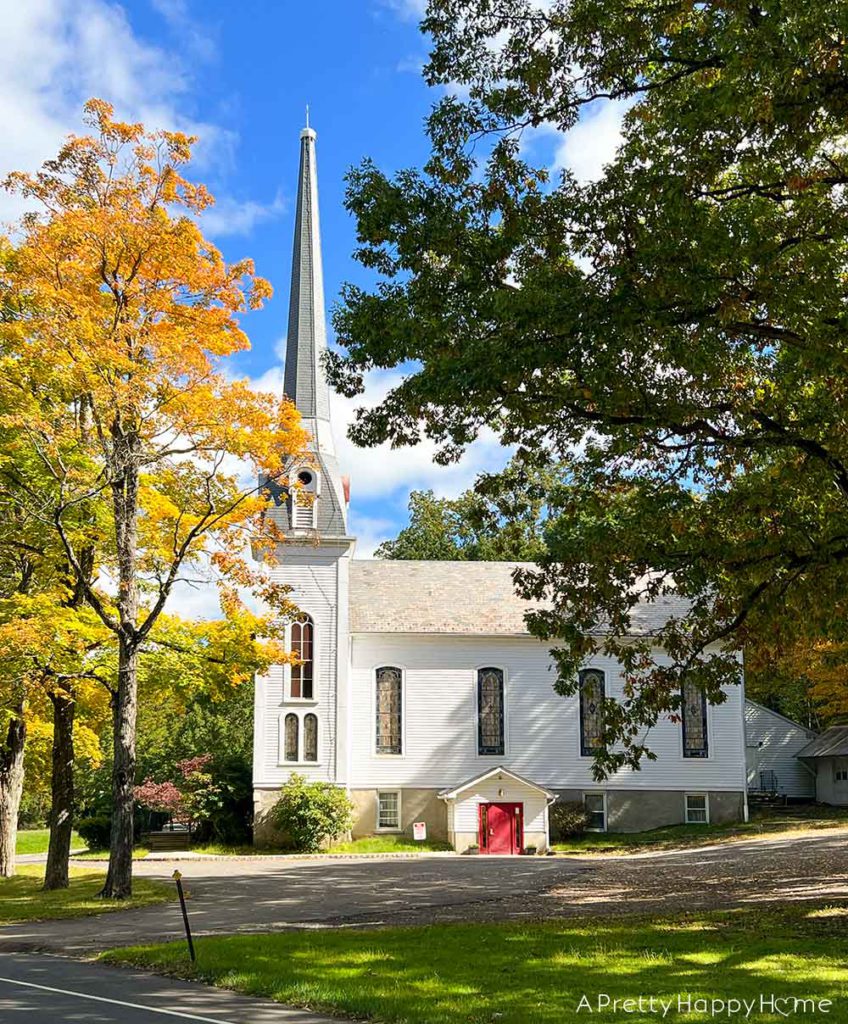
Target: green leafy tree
(498,520)
(674,334)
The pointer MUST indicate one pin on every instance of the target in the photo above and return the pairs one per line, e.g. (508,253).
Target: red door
(501,828)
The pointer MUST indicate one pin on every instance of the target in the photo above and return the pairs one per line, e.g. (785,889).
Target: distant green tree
(499,520)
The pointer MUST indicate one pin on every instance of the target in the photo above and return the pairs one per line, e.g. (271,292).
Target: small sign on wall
(419,830)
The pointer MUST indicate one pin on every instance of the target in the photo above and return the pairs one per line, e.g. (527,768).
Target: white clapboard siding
(466,815)
(314,576)
(542,728)
(772,743)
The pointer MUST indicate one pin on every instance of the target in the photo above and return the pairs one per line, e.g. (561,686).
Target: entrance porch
(499,812)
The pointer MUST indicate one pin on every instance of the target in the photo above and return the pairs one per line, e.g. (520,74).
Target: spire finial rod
(307,115)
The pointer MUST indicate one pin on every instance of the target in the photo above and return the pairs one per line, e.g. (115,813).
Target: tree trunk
(125,510)
(119,876)
(62,790)
(11,787)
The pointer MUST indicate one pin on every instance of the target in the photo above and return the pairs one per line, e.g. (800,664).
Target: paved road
(808,868)
(267,895)
(262,895)
(51,990)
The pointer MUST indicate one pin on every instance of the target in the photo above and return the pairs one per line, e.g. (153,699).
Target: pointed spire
(304,381)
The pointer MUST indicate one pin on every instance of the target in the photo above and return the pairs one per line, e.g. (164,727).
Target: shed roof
(833,742)
(470,598)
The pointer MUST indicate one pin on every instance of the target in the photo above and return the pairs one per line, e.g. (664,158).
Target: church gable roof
(460,598)
(388,596)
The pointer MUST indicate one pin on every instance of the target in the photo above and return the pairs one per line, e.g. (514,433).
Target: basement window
(697,809)
(596,811)
(388,811)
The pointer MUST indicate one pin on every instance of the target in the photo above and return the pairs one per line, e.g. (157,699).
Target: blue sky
(239,76)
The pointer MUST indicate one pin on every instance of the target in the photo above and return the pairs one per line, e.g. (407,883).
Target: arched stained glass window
(389,710)
(302,644)
(290,744)
(310,737)
(591,711)
(490,711)
(694,715)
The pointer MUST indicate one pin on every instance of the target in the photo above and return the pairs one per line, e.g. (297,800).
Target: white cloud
(592,143)
(59,53)
(384,472)
(370,532)
(194,600)
(391,473)
(388,474)
(192,34)
(234,217)
(408,10)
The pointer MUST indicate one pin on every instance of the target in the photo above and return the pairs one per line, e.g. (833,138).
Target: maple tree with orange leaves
(117,318)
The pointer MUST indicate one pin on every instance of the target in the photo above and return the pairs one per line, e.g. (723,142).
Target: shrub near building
(310,815)
(568,818)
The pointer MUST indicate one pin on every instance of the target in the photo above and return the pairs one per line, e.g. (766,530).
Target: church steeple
(304,381)
(307,336)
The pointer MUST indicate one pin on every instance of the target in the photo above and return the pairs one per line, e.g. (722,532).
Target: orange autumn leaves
(120,318)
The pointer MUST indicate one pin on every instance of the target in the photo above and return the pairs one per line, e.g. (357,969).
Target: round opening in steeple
(304,478)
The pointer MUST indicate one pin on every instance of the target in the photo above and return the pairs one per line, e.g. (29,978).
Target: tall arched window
(290,737)
(490,711)
(302,644)
(591,711)
(388,701)
(694,715)
(310,737)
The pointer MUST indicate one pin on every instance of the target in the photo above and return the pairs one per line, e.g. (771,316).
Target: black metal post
(177,877)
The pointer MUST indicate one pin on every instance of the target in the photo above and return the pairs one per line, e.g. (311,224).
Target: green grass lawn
(389,844)
(368,844)
(36,840)
(22,899)
(238,850)
(517,973)
(676,836)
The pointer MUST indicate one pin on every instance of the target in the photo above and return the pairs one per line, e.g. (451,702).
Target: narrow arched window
(490,711)
(389,710)
(694,716)
(310,737)
(302,645)
(591,711)
(290,744)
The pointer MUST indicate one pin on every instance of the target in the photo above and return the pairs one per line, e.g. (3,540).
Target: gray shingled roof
(388,596)
(833,742)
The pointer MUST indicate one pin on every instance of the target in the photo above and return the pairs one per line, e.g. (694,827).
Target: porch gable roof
(451,794)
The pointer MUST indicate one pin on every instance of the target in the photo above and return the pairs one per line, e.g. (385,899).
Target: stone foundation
(415,805)
(627,811)
(637,810)
(264,833)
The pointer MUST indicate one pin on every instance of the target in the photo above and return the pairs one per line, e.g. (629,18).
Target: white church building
(419,688)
